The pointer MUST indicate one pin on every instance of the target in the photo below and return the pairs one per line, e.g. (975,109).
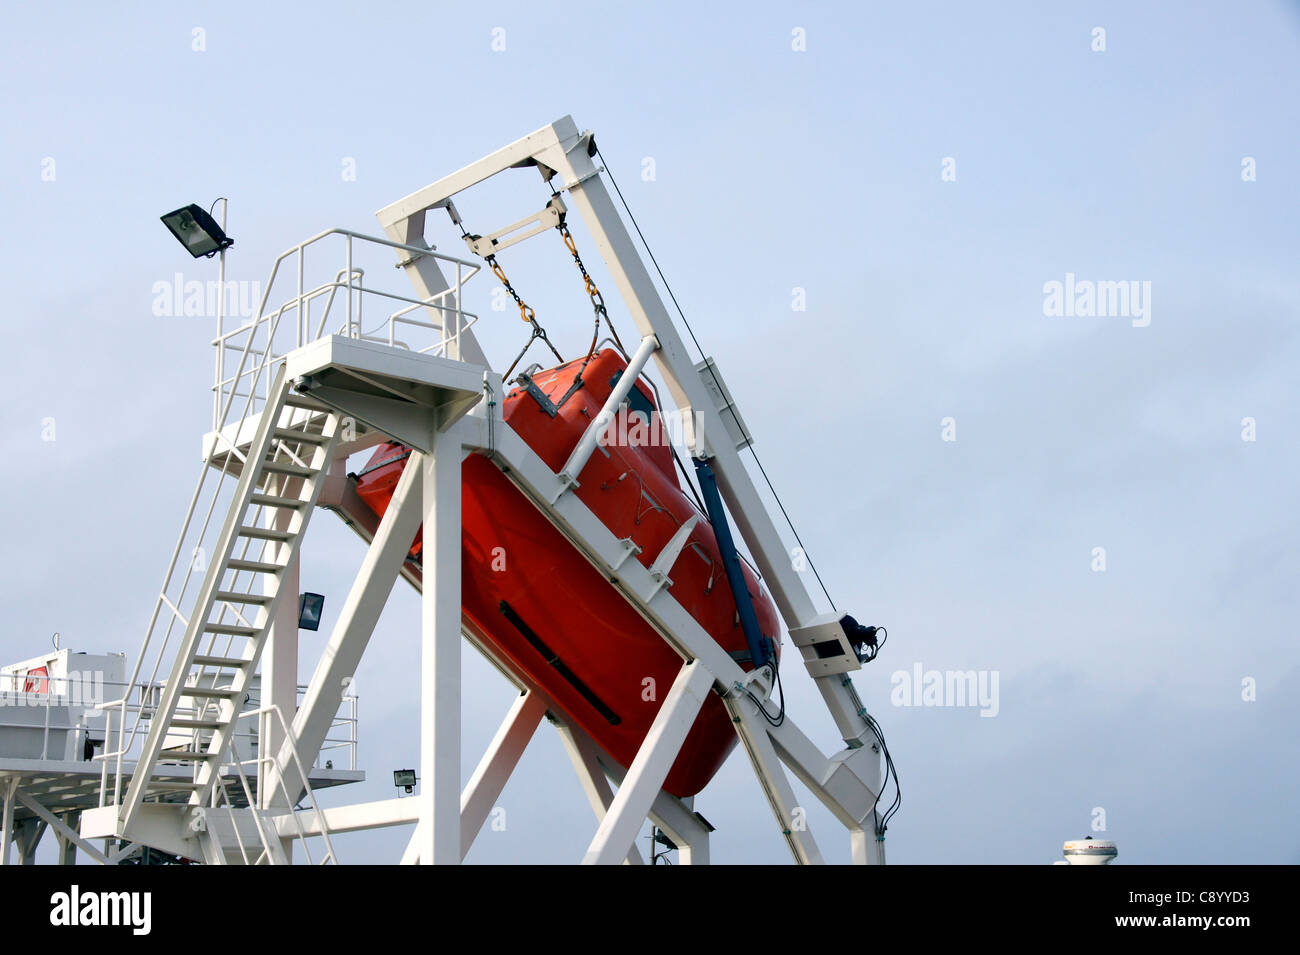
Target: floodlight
(310,607)
(197,231)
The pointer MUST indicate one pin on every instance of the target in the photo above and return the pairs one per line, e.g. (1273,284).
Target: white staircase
(173,767)
(280,477)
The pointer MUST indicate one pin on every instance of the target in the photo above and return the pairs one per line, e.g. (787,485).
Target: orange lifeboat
(546,610)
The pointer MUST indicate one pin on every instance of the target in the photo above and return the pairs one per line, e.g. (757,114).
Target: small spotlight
(865,641)
(404,779)
(310,607)
(197,231)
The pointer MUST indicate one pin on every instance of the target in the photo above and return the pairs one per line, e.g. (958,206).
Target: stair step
(231,596)
(181,723)
(231,629)
(265,533)
(229,663)
(186,754)
(212,692)
(156,784)
(270,500)
(299,401)
(256,566)
(284,467)
(292,434)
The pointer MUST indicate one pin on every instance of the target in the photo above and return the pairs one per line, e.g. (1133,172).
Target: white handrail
(350,278)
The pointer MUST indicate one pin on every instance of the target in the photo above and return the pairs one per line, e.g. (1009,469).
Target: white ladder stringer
(282,473)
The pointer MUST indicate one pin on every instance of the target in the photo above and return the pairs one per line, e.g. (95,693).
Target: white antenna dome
(1090,851)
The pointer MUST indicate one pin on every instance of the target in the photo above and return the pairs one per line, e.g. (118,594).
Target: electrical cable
(775,666)
(890,773)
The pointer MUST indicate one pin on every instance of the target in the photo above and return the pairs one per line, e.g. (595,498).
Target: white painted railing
(309,310)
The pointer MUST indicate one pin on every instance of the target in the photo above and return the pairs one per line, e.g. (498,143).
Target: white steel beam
(674,816)
(542,143)
(498,762)
(27,836)
(866,848)
(440,707)
(380,814)
(645,777)
(849,793)
(427,279)
(586,763)
(411,856)
(67,844)
(790,816)
(64,834)
(7,820)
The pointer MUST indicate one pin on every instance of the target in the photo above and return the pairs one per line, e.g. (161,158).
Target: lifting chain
(597,301)
(526,312)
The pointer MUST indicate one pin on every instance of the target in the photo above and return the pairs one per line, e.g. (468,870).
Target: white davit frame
(433,402)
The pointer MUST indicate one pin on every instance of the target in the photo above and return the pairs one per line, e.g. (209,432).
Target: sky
(862,209)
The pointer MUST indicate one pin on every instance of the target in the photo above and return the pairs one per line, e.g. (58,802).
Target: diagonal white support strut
(494,769)
(586,763)
(645,777)
(790,816)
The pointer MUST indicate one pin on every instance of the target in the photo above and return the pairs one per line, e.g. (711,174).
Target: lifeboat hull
(548,612)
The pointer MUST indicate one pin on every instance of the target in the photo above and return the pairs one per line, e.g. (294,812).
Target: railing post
(349,267)
(302,254)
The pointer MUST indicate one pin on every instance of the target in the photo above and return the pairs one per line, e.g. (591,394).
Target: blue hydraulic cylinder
(758,644)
